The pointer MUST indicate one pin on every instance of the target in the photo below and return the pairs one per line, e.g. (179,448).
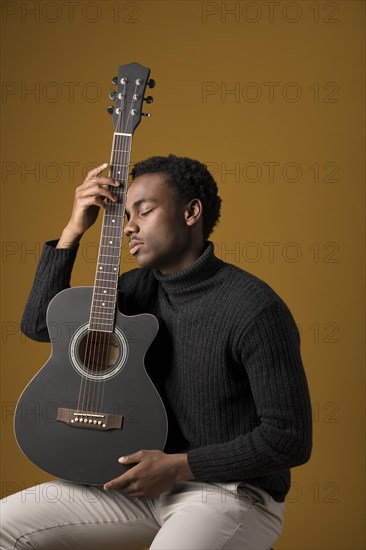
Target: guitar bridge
(91,420)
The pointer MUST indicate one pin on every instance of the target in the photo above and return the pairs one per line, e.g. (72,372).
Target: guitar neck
(131,83)
(103,307)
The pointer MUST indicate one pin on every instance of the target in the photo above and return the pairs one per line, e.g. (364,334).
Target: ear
(193,212)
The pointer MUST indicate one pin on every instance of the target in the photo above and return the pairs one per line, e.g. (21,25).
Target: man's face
(156,227)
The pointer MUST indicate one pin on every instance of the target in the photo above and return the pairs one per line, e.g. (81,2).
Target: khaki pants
(190,515)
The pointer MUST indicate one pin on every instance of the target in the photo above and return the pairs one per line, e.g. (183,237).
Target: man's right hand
(89,198)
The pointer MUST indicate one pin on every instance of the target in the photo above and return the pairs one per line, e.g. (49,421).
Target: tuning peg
(151,83)
(149,99)
(113,96)
(146,114)
(110,109)
(115,80)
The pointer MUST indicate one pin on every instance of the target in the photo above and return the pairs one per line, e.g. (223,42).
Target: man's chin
(143,260)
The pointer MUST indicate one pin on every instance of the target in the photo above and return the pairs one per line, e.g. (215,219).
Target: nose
(130,227)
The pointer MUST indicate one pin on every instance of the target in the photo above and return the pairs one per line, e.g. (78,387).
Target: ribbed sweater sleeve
(53,274)
(269,350)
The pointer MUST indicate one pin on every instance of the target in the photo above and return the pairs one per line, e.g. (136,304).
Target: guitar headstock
(131,83)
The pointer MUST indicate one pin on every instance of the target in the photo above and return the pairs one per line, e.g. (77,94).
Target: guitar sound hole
(99,351)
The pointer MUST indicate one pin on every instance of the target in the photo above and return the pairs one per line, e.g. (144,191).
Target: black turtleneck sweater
(226,363)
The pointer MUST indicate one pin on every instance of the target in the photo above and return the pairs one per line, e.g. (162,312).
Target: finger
(96,171)
(96,190)
(104,180)
(100,203)
(120,483)
(134,458)
(88,202)
(105,192)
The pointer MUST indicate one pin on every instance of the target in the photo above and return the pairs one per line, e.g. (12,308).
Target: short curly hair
(190,179)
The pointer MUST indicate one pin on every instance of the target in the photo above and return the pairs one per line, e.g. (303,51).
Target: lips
(135,246)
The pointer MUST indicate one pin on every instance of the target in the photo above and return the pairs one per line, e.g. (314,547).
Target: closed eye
(146,212)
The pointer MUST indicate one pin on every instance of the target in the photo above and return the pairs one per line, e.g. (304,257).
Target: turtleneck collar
(191,278)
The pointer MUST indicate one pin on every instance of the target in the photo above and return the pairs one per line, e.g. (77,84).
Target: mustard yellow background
(271,97)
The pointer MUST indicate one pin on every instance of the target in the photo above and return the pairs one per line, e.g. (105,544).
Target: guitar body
(117,408)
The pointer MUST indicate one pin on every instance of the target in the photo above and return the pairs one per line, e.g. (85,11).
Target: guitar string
(114,209)
(102,348)
(98,340)
(93,335)
(124,162)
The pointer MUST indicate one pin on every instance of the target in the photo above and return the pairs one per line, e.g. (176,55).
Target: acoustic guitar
(93,400)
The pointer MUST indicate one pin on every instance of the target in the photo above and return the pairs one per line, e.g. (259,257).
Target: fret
(109,329)
(110,250)
(103,309)
(100,310)
(113,276)
(105,297)
(118,205)
(123,179)
(115,208)
(107,280)
(104,286)
(109,244)
(109,273)
(105,301)
(116,222)
(113,215)
(109,256)
(100,319)
(110,247)
(113,226)
(100,292)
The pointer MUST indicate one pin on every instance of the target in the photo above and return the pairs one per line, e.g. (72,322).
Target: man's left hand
(153,473)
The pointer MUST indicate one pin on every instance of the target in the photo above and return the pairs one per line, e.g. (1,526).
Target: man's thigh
(63,516)
(204,516)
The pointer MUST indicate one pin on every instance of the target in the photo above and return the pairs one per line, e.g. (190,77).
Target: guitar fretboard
(106,279)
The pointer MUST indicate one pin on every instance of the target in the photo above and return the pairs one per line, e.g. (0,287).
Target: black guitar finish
(77,453)
(93,401)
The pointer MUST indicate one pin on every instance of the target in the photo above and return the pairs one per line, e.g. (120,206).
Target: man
(226,363)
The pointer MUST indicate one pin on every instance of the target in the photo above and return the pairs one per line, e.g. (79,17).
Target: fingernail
(121,459)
